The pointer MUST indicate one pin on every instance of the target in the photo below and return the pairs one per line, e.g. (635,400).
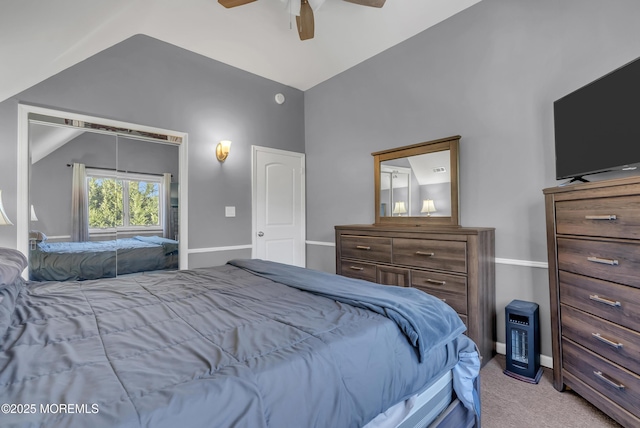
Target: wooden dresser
(593,236)
(456,264)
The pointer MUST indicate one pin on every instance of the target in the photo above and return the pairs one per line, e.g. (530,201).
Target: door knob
(261,234)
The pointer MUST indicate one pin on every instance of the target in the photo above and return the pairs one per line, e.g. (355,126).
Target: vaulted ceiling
(41,38)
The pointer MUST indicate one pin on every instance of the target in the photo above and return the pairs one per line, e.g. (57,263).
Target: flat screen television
(597,127)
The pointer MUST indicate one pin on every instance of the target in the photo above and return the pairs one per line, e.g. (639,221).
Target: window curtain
(167,229)
(79,204)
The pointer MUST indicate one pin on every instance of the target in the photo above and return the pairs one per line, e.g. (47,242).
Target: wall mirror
(102,200)
(418,184)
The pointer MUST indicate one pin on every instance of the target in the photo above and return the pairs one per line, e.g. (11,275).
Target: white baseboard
(321,243)
(545,360)
(216,249)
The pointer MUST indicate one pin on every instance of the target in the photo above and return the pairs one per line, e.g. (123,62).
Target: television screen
(597,127)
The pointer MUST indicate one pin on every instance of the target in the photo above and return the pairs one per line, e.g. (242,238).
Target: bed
(247,344)
(64,261)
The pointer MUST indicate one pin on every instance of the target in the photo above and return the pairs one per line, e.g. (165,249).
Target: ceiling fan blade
(305,21)
(234,3)
(372,3)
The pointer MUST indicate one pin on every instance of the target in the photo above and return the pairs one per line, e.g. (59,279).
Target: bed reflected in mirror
(102,204)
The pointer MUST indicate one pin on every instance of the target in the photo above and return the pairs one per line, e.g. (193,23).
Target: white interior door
(278,193)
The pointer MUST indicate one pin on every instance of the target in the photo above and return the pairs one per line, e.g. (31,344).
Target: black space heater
(523,341)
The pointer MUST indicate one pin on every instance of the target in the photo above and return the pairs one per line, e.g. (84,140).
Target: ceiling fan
(304,20)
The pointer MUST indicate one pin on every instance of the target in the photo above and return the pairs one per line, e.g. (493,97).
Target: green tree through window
(122,202)
(144,203)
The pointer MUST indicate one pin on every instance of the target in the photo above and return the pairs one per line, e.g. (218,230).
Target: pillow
(36,235)
(8,299)
(12,263)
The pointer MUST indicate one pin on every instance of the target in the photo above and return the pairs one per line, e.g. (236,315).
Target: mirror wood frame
(23,167)
(449,143)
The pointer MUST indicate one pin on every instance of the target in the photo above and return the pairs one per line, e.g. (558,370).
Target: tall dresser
(456,264)
(593,236)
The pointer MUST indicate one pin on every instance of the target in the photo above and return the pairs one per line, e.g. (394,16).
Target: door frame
(24,166)
(254,197)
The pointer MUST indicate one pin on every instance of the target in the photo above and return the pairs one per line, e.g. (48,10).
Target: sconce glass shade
(428,207)
(222,150)
(4,220)
(399,208)
(34,217)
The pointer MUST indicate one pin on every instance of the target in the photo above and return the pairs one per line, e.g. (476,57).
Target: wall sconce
(428,207)
(4,220)
(222,150)
(399,208)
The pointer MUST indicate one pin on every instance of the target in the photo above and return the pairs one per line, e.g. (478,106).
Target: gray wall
(145,81)
(489,74)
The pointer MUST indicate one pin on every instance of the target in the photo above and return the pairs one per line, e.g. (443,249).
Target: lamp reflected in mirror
(399,208)
(428,207)
(4,219)
(33,235)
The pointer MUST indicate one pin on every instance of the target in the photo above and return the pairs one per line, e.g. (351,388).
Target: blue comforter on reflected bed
(64,261)
(218,347)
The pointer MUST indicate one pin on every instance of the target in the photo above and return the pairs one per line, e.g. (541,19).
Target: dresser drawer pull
(608,381)
(607,341)
(609,262)
(601,217)
(424,253)
(363,247)
(356,268)
(435,281)
(599,299)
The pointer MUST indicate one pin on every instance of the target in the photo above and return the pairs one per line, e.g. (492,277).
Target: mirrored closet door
(102,203)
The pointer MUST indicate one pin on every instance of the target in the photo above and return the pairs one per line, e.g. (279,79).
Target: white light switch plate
(229,211)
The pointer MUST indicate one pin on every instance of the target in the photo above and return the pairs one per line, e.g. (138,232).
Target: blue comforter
(215,347)
(425,329)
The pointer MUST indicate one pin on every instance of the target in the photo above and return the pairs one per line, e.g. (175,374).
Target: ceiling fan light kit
(304,20)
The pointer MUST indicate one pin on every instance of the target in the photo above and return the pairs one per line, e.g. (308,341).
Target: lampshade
(4,220)
(428,206)
(399,208)
(34,217)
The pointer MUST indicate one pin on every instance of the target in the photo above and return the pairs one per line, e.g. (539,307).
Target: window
(124,201)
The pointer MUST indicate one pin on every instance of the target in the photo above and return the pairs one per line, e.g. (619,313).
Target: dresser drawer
(609,379)
(376,249)
(616,343)
(443,255)
(450,288)
(615,217)
(393,275)
(611,261)
(358,270)
(617,303)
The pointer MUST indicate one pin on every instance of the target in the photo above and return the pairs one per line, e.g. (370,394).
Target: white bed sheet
(401,412)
